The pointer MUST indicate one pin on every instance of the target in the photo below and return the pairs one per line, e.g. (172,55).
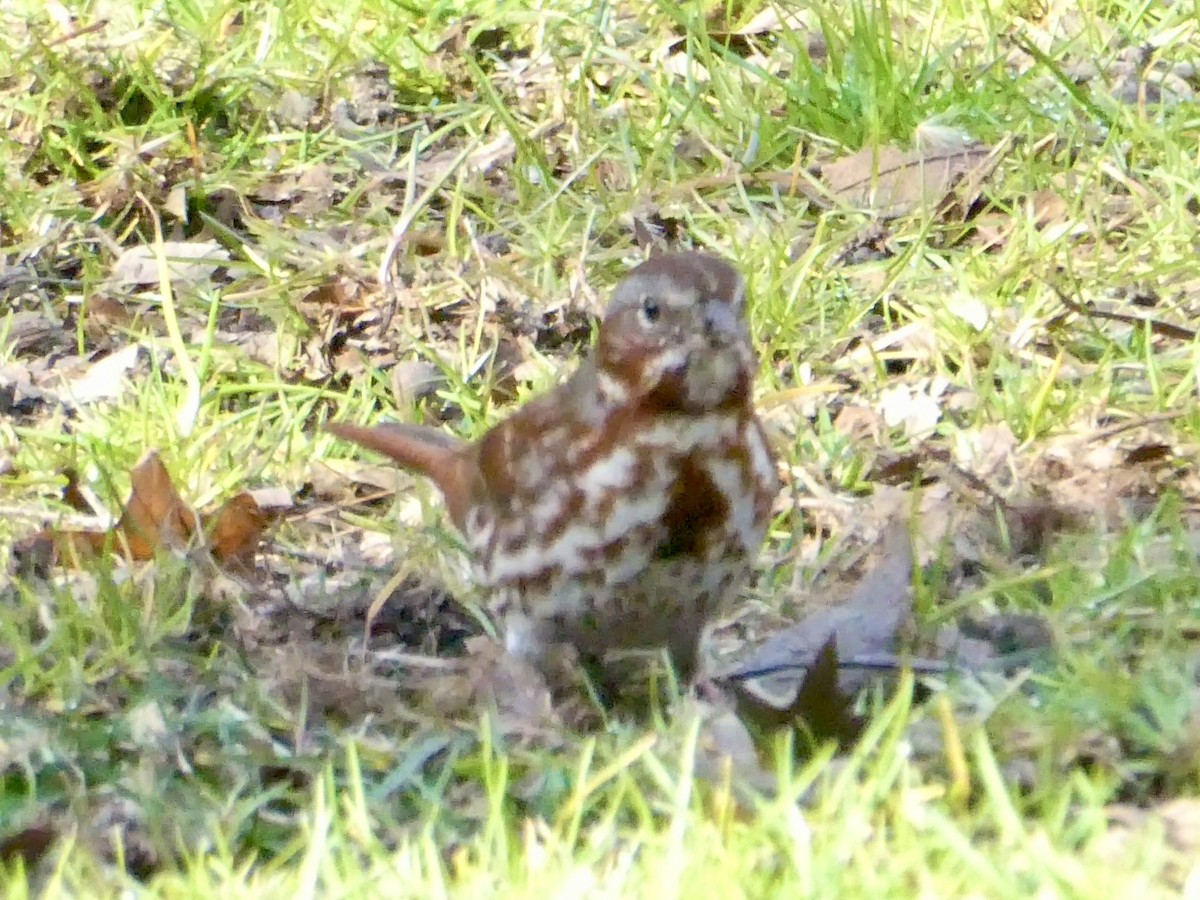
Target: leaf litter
(983,499)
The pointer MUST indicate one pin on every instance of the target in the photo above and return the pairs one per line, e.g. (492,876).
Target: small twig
(99,25)
(1156,419)
(868,661)
(1157,326)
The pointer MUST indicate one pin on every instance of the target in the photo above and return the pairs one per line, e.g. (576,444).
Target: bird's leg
(683,647)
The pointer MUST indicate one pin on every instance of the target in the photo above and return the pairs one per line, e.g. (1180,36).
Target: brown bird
(622,508)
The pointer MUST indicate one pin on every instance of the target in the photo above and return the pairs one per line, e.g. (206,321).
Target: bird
(626,507)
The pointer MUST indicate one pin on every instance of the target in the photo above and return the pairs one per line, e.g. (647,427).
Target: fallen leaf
(104,379)
(155,518)
(1148,453)
(27,333)
(18,394)
(1049,209)
(294,109)
(492,678)
(1178,822)
(969,308)
(272,499)
(865,626)
(916,410)
(821,704)
(187,261)
(891,182)
(104,315)
(73,495)
(235,531)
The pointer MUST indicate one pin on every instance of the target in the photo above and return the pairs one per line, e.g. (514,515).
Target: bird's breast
(695,488)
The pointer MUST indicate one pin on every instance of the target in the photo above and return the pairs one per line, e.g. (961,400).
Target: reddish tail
(429,452)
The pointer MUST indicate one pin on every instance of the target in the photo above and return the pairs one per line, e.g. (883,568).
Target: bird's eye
(650,310)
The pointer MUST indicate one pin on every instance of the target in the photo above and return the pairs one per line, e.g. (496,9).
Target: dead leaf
(866,625)
(294,109)
(104,379)
(73,496)
(27,332)
(189,262)
(1148,453)
(917,340)
(1049,208)
(492,678)
(105,315)
(916,408)
(339,292)
(1181,817)
(272,499)
(1178,820)
(891,182)
(18,394)
(821,704)
(235,531)
(416,379)
(859,423)
(969,308)
(155,518)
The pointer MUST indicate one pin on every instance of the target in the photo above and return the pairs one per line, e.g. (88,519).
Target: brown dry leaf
(514,685)
(330,478)
(479,160)
(1136,80)
(466,36)
(105,315)
(312,185)
(1181,817)
(73,495)
(235,530)
(1155,451)
(343,294)
(19,396)
(917,341)
(28,333)
(1049,209)
(416,379)
(155,517)
(722,28)
(859,423)
(891,182)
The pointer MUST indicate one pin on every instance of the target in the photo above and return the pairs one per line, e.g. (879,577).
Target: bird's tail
(438,456)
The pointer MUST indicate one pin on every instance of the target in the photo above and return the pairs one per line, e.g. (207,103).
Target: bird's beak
(721,324)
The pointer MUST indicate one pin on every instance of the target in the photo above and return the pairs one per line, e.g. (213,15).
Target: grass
(178,745)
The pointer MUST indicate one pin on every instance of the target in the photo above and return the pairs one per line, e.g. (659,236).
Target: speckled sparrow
(621,509)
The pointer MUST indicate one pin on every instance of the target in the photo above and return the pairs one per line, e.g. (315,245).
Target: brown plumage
(623,507)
